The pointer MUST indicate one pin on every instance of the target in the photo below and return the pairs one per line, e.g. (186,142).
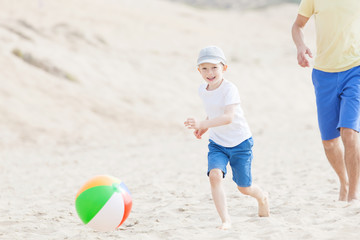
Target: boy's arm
(298,37)
(224,119)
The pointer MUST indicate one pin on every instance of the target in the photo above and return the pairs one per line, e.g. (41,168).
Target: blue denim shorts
(239,157)
(337,100)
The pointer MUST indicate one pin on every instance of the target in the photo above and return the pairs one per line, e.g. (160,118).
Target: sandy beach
(103,87)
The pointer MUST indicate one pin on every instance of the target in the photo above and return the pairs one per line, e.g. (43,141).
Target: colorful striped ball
(103,203)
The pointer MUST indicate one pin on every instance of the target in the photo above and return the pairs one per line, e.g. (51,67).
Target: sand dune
(103,87)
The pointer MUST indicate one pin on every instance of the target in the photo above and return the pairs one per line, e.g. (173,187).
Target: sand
(103,87)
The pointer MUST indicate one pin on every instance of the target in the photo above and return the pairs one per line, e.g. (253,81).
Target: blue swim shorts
(240,158)
(337,100)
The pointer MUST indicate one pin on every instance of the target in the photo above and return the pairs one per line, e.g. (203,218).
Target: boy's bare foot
(225,226)
(264,210)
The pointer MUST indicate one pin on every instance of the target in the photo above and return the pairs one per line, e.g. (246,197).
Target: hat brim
(210,60)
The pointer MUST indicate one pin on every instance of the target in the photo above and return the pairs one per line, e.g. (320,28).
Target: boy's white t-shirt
(215,101)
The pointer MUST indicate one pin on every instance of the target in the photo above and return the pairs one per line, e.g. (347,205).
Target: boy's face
(212,74)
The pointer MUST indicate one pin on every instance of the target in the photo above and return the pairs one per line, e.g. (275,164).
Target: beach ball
(103,203)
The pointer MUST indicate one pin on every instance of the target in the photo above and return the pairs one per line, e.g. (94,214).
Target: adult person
(336,79)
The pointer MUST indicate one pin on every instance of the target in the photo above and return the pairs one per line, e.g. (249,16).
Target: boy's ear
(224,68)
(198,69)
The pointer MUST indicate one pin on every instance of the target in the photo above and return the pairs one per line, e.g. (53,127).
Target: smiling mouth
(211,79)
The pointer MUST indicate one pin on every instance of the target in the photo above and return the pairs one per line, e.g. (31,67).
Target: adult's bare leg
(351,142)
(335,155)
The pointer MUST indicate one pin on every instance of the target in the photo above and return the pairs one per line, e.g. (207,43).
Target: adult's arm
(298,38)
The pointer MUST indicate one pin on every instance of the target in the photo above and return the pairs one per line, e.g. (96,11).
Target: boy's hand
(199,132)
(192,123)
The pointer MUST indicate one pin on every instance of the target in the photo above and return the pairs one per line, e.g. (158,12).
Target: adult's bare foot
(343,195)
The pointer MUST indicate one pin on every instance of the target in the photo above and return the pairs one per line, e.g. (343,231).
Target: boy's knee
(215,176)
(244,190)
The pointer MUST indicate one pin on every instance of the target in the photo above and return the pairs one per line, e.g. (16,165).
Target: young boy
(230,136)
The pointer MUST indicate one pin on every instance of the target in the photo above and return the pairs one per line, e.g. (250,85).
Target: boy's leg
(218,194)
(240,162)
(217,161)
(261,196)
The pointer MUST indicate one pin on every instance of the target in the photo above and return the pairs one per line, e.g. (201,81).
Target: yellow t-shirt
(337,32)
